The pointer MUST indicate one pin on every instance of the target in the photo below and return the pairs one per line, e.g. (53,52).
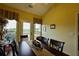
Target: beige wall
(65,17)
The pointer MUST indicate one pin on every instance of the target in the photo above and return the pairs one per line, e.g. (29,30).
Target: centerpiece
(37,44)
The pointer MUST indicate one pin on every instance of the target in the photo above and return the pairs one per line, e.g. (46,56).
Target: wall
(64,16)
(23,16)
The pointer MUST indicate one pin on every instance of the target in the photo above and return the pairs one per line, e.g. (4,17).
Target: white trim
(76,31)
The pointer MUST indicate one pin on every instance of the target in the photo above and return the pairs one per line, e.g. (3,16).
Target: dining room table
(38,52)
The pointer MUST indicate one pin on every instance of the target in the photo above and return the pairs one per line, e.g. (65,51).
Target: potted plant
(3,23)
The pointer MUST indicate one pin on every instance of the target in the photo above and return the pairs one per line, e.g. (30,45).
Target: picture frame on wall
(52,26)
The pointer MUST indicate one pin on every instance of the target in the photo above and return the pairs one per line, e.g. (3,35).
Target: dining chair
(7,49)
(23,37)
(14,48)
(58,45)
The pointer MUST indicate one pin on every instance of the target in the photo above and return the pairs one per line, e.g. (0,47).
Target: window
(37,31)
(26,29)
(11,30)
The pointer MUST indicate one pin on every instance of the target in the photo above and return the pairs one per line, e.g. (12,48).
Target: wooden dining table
(26,49)
(39,52)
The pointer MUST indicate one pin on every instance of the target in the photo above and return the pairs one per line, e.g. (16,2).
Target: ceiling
(34,8)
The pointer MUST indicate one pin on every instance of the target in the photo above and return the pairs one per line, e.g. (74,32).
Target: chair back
(14,47)
(58,45)
(24,37)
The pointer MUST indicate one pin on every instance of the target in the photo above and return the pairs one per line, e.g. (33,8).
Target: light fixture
(30,5)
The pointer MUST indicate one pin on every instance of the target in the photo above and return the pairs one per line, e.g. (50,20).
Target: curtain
(37,20)
(8,14)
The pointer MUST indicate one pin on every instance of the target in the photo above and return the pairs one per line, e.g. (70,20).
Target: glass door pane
(26,29)
(37,30)
(10,29)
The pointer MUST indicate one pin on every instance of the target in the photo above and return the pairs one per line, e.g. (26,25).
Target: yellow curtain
(37,20)
(8,14)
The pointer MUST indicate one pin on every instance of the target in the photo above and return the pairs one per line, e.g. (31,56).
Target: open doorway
(26,29)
